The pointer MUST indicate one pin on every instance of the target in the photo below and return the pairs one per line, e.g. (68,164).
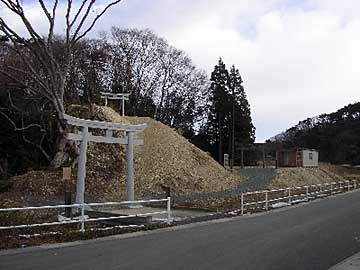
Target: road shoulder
(351,263)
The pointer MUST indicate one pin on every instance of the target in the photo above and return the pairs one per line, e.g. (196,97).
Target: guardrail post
(242,203)
(348,185)
(82,218)
(320,189)
(331,188)
(266,201)
(340,187)
(168,210)
(307,193)
(289,195)
(354,184)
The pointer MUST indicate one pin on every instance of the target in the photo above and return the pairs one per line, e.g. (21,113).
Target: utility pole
(123,100)
(263,154)
(220,140)
(242,157)
(233,131)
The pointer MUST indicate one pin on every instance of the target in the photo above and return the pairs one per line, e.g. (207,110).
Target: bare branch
(83,19)
(14,125)
(23,128)
(12,103)
(77,13)
(11,76)
(39,145)
(41,2)
(75,39)
(51,18)
(68,27)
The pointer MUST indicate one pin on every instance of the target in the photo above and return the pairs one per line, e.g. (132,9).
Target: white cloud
(297,58)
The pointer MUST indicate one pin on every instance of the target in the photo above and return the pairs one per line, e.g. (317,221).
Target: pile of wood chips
(292,177)
(166,160)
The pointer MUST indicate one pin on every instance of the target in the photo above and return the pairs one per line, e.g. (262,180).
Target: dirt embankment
(291,177)
(166,159)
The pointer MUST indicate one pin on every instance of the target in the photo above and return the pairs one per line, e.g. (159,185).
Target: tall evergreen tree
(229,126)
(243,130)
(218,111)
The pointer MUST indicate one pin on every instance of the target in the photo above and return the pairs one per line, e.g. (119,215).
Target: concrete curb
(351,263)
(158,231)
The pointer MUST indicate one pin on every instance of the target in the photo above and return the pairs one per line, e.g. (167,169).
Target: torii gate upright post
(81,170)
(85,136)
(130,165)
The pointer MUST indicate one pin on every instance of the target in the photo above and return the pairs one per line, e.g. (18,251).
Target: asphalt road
(313,236)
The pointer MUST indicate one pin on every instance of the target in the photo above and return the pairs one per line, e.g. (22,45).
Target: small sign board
(66,173)
(226,160)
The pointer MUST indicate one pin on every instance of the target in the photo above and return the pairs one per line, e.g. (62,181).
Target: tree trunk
(60,146)
(61,142)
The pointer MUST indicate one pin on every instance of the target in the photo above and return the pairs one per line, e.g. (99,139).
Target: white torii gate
(85,136)
(116,96)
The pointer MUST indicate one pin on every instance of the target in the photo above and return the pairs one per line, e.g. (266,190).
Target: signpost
(85,136)
(67,193)
(116,96)
(226,161)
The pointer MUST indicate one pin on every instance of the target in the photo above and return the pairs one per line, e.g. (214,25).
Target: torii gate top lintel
(115,95)
(103,125)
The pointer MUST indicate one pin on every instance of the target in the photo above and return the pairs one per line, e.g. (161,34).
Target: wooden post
(242,157)
(67,201)
(123,106)
(67,191)
(263,155)
(242,204)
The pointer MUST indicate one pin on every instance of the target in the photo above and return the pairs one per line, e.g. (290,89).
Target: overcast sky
(297,58)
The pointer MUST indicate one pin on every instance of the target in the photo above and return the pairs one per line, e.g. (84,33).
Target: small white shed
(297,158)
(310,158)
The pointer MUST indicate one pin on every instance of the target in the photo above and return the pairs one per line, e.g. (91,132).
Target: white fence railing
(82,218)
(266,198)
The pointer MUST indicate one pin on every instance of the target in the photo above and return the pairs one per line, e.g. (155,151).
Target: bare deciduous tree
(46,74)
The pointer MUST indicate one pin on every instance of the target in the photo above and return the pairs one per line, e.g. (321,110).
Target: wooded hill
(336,135)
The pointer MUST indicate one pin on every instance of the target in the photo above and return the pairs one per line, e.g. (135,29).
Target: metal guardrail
(82,217)
(302,194)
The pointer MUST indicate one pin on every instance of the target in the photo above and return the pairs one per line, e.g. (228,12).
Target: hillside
(335,135)
(166,159)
